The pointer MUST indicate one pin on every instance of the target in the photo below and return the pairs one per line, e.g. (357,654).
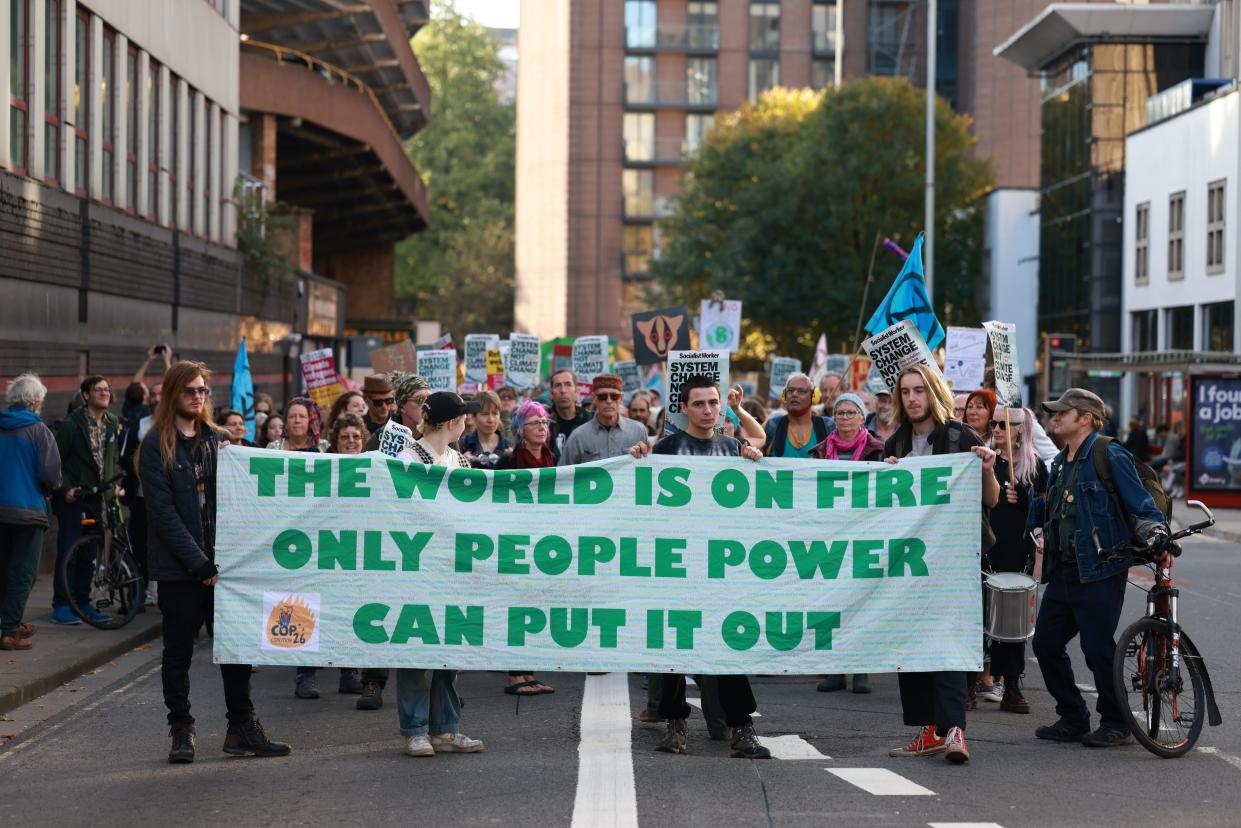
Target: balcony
(696,38)
(642,207)
(658,151)
(678,94)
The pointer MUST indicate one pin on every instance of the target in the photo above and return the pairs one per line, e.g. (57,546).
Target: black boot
(249,739)
(182,752)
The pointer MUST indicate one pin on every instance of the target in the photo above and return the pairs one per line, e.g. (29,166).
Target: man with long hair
(935,702)
(177,467)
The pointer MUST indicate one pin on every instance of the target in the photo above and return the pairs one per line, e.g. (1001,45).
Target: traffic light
(1059,375)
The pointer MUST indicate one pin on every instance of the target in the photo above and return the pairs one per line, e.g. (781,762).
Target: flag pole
(928,260)
(861,314)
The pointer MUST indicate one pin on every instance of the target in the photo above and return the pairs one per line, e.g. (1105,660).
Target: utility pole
(928,245)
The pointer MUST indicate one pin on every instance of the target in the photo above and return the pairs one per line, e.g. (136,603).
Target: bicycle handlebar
(105,485)
(1154,550)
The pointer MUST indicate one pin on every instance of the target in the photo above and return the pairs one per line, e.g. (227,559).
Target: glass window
(81,111)
(1145,334)
(107,112)
(209,140)
(152,139)
(886,33)
(704,25)
(702,81)
(639,247)
(697,125)
(764,27)
(191,143)
(131,146)
(823,27)
(19,105)
(1176,236)
(638,187)
(639,129)
(1142,235)
(764,74)
(640,28)
(176,114)
(1217,326)
(51,92)
(639,80)
(1215,227)
(1181,328)
(823,73)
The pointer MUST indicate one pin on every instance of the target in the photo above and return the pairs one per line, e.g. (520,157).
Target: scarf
(523,458)
(835,445)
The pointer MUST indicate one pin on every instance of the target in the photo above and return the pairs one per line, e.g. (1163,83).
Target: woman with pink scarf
(850,441)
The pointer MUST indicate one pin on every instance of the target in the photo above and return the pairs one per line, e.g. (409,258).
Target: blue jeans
(427,701)
(1091,611)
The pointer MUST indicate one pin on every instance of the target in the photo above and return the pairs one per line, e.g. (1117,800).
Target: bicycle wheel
(1166,718)
(114,588)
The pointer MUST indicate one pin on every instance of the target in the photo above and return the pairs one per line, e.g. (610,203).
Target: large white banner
(694,564)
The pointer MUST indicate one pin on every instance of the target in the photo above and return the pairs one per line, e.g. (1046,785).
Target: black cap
(443,406)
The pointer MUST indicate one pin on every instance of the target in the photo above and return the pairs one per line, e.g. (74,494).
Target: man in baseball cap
(1079,399)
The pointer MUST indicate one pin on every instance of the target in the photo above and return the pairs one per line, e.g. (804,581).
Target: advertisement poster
(1215,440)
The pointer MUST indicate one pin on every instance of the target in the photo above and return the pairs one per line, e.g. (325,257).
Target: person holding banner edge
(935,702)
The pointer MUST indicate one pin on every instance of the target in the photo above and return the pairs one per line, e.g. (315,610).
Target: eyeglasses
(350,438)
(608,396)
(847,414)
(535,424)
(102,390)
(204,391)
(796,390)
(383,401)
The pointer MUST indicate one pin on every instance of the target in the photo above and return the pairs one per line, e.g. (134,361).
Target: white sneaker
(152,596)
(418,746)
(456,743)
(994,693)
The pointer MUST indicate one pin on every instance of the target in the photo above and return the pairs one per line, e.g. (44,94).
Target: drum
(1009,611)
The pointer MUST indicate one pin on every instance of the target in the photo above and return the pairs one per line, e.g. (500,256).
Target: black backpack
(1148,476)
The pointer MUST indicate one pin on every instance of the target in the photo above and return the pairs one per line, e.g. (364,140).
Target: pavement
(1227,521)
(94,752)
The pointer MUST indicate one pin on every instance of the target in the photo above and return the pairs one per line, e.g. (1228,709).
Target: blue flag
(907,299)
(242,398)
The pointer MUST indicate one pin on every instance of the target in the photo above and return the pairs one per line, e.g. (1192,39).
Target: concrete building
(614,97)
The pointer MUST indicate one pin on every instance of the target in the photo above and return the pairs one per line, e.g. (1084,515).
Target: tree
(781,208)
(460,269)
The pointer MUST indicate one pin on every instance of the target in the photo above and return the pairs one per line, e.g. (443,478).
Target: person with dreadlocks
(302,425)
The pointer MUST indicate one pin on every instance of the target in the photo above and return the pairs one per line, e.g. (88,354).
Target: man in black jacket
(177,466)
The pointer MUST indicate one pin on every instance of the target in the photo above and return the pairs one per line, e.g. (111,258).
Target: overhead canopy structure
(1063,26)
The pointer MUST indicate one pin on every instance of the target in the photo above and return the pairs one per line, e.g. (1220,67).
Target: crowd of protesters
(167,436)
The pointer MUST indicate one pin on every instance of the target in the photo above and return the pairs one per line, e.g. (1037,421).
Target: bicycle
(1154,656)
(116,588)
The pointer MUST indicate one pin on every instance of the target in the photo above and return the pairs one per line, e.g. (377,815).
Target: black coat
(180,532)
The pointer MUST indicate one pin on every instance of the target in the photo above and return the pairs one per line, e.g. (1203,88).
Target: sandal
(516,689)
(545,689)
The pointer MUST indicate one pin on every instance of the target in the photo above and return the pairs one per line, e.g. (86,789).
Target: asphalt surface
(93,753)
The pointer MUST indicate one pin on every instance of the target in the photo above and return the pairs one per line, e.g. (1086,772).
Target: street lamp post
(928,246)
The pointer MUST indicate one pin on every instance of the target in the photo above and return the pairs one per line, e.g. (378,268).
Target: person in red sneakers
(935,702)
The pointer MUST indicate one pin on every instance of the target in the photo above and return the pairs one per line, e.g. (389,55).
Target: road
(93,753)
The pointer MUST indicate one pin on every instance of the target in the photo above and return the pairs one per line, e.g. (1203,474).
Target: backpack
(1148,476)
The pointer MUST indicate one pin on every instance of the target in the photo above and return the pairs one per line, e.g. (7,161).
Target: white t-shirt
(920,445)
(421,451)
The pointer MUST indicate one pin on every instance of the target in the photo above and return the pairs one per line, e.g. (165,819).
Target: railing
(669,93)
(674,37)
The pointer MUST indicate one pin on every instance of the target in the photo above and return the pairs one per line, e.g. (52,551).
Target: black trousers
(185,606)
(736,698)
(934,698)
(375,675)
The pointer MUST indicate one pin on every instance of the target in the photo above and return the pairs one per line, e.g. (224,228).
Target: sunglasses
(384,401)
(196,392)
(608,395)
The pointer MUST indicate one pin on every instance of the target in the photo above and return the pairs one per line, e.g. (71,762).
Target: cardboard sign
(402,356)
(965,359)
(393,438)
(859,370)
(837,364)
(656,333)
(444,343)
(495,369)
(719,325)
(897,348)
(590,359)
(476,347)
(1004,362)
(631,377)
(319,373)
(522,362)
(781,369)
(681,366)
(439,369)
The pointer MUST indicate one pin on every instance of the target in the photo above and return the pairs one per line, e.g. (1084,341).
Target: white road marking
(880,782)
(606,795)
(791,746)
(965,825)
(698,703)
(1227,757)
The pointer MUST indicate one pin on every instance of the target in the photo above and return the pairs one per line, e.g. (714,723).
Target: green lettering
(467,485)
(668,558)
(773,489)
(685,622)
(415,621)
(830,486)
(338,552)
(784,630)
(512,486)
(866,559)
(608,621)
(553,555)
(547,488)
(818,556)
(642,485)
(512,555)
(411,547)
(768,559)
(823,623)
(935,486)
(318,474)
(730,488)
(570,625)
(591,485)
(372,553)
(723,553)
(894,483)
(654,626)
(463,625)
(368,623)
(674,487)
(592,550)
(267,469)
(861,489)
(470,548)
(740,630)
(906,553)
(629,560)
(352,477)
(292,549)
(408,478)
(523,621)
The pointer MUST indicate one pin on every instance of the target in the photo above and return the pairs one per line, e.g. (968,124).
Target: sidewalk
(61,654)
(1227,521)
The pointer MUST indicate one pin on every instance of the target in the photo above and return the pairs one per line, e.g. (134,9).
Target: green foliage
(781,208)
(265,237)
(461,268)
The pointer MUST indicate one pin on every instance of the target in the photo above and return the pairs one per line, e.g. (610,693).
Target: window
(1215,227)
(1180,324)
(107,113)
(823,73)
(191,143)
(764,74)
(1145,334)
(638,187)
(81,109)
(764,27)
(19,105)
(823,27)
(51,92)
(209,140)
(640,29)
(704,25)
(639,80)
(639,246)
(886,36)
(697,126)
(1217,326)
(639,129)
(702,81)
(1142,243)
(131,145)
(176,114)
(1176,236)
(152,140)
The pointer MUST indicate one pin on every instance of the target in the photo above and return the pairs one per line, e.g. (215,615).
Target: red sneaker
(926,743)
(955,749)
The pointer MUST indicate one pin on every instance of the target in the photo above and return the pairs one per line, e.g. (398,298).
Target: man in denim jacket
(1084,593)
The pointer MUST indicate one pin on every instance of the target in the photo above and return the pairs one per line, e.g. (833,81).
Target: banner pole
(861,314)
(1008,439)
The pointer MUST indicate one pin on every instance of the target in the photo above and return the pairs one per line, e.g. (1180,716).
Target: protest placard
(663,564)
(631,377)
(522,362)
(402,356)
(495,369)
(859,370)
(476,347)
(658,332)
(897,348)
(965,358)
(590,359)
(719,325)
(684,364)
(439,368)
(319,373)
(781,369)
(1004,362)
(836,364)
(444,343)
